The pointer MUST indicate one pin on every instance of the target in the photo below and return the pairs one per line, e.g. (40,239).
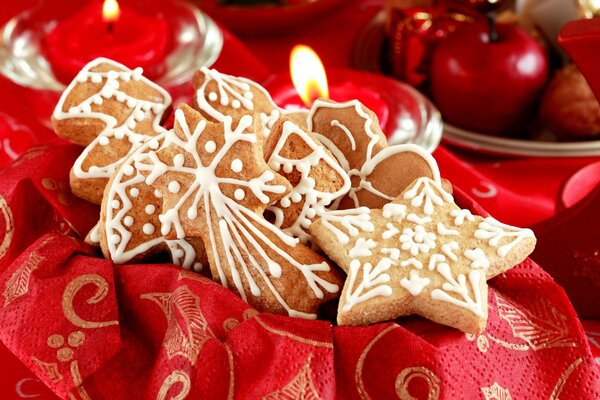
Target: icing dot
(174,187)
(157,193)
(115,239)
(150,208)
(237,165)
(178,253)
(131,124)
(112,75)
(82,77)
(106,92)
(137,74)
(178,160)
(121,97)
(236,104)
(296,197)
(134,192)
(97,100)
(128,170)
(128,220)
(115,204)
(96,78)
(212,96)
(287,168)
(239,194)
(148,229)
(198,267)
(311,213)
(153,144)
(103,140)
(130,103)
(210,146)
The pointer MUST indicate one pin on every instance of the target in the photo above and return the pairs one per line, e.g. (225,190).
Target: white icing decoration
(344,129)
(243,235)
(148,229)
(390,232)
(125,131)
(449,248)
(461,215)
(412,261)
(128,220)
(418,220)
(210,146)
(315,201)
(362,248)
(212,96)
(478,258)
(494,232)
(371,161)
(415,284)
(460,287)
(94,234)
(418,240)
(427,193)
(392,253)
(395,211)
(237,165)
(354,220)
(373,282)
(174,187)
(134,192)
(239,194)
(434,260)
(150,209)
(442,230)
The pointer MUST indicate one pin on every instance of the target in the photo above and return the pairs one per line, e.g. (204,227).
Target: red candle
(344,85)
(101,30)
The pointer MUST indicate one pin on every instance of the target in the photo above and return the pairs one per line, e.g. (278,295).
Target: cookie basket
(90,329)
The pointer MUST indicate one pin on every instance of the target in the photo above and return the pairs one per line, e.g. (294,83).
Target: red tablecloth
(518,191)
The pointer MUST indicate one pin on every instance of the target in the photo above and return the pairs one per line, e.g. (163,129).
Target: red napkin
(89,329)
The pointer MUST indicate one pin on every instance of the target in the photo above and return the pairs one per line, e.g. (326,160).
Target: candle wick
(110,28)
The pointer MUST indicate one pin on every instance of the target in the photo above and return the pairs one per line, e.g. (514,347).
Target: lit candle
(403,113)
(104,29)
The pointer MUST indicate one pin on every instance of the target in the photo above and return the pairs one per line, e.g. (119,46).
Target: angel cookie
(379,172)
(111,110)
(216,185)
(314,173)
(420,254)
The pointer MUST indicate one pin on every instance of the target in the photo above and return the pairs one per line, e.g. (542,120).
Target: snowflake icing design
(210,192)
(421,247)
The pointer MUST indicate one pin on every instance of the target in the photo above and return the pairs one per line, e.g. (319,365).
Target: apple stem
(491,17)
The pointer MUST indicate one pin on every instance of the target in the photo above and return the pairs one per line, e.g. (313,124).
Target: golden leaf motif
(9,229)
(187,329)
(425,374)
(562,381)
(170,381)
(299,388)
(496,392)
(18,284)
(73,288)
(545,329)
(49,369)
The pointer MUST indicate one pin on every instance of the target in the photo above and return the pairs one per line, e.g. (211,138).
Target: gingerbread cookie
(111,110)
(219,95)
(316,177)
(129,228)
(379,172)
(420,254)
(216,185)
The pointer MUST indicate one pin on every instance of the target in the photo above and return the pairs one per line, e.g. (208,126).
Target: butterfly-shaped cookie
(379,172)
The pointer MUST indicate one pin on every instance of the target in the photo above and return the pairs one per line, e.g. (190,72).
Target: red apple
(488,86)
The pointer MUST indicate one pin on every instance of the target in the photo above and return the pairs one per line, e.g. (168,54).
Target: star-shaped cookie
(111,110)
(379,172)
(316,177)
(216,185)
(420,254)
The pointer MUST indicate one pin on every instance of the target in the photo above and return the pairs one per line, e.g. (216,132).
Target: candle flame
(308,74)
(111,10)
